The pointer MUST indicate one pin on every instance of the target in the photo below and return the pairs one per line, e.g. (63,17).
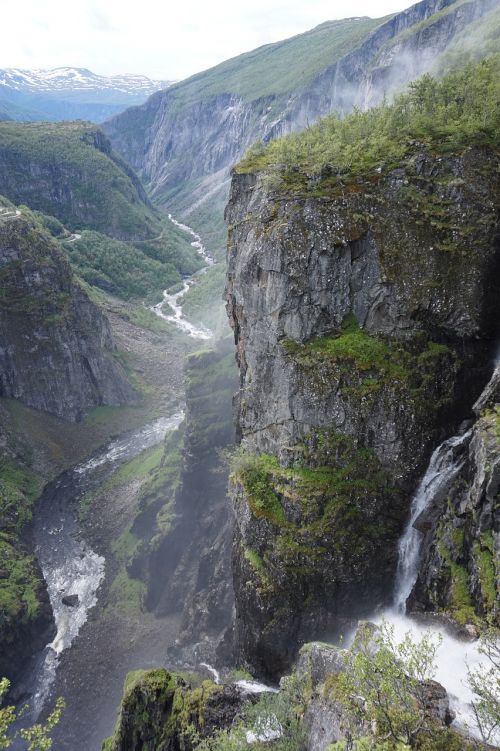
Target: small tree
(385,691)
(485,684)
(37,736)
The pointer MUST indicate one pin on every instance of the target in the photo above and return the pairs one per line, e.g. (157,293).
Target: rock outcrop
(325,716)
(55,344)
(161,711)
(459,573)
(364,319)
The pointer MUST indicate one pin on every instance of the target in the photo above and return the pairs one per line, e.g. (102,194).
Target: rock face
(188,559)
(161,711)
(461,550)
(185,135)
(364,331)
(55,345)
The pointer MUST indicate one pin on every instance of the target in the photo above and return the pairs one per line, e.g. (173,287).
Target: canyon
(206,528)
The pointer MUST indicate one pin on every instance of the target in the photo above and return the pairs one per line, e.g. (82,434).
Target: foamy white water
(69,565)
(173,300)
(254,687)
(453,657)
(215,673)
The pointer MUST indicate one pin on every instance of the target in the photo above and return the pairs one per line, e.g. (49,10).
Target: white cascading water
(454,657)
(442,470)
(173,300)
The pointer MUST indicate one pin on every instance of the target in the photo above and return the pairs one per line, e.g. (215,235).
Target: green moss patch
(327,507)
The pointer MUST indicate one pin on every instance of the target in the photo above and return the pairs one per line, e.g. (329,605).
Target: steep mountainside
(365,313)
(69,171)
(184,140)
(56,355)
(56,347)
(70,94)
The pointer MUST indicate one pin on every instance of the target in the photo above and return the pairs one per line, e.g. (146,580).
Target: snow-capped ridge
(77,79)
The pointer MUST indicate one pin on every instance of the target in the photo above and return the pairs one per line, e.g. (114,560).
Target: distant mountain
(70,94)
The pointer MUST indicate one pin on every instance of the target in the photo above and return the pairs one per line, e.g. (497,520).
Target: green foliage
(105,195)
(384,689)
(446,115)
(255,474)
(20,581)
(484,554)
(485,685)
(354,346)
(132,270)
(37,736)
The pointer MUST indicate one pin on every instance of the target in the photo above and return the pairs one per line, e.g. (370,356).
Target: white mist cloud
(164,40)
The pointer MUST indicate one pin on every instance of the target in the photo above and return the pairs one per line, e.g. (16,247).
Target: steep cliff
(55,345)
(185,559)
(364,309)
(161,711)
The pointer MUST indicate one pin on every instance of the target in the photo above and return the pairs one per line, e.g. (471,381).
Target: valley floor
(118,636)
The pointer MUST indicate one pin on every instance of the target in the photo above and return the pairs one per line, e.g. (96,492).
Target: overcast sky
(168,40)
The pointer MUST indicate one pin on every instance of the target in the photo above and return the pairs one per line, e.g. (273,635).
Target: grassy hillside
(133,270)
(278,68)
(68,170)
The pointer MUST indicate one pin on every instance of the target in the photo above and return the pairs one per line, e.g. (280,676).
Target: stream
(173,300)
(69,565)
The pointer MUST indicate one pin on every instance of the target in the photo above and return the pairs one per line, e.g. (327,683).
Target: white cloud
(159,39)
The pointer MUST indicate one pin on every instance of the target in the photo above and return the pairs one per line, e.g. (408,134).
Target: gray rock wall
(55,345)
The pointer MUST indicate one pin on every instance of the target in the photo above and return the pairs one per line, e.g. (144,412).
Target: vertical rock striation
(364,317)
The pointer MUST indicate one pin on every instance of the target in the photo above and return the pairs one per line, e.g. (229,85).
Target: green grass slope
(278,68)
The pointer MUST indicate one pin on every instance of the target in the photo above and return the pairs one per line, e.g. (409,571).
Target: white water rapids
(69,565)
(173,300)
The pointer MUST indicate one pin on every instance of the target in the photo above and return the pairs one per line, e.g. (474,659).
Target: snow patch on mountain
(77,79)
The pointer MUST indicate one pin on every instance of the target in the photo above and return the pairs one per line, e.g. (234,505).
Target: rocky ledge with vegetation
(362,264)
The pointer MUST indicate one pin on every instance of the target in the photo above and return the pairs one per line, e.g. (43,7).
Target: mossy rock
(161,711)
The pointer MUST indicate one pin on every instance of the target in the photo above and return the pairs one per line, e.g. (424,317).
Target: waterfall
(445,464)
(454,657)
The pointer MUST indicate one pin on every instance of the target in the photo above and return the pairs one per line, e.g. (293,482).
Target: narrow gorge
(250,468)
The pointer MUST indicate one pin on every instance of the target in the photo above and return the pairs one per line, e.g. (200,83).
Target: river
(90,655)
(173,300)
(70,566)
